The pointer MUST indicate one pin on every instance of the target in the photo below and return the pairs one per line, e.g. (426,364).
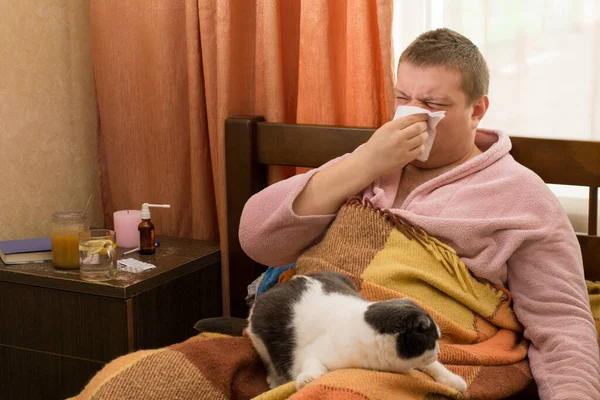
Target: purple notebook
(26,246)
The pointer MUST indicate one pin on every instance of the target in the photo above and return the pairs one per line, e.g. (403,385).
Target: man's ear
(480,107)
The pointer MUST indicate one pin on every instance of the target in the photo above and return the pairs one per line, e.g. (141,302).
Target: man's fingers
(418,140)
(415,129)
(417,152)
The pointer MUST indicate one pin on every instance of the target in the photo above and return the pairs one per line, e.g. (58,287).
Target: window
(543,55)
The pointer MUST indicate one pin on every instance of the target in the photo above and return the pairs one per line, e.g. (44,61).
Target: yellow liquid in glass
(65,251)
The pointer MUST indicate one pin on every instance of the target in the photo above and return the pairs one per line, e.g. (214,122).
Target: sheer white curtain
(543,55)
(544,60)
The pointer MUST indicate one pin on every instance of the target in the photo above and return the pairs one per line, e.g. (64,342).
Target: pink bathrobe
(506,226)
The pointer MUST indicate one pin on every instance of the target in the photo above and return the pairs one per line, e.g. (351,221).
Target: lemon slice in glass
(96,246)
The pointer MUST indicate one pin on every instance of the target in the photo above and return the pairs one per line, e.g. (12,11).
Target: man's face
(439,89)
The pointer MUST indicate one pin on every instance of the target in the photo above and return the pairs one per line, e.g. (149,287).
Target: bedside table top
(174,257)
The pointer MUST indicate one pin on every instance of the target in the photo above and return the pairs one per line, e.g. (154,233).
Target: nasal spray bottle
(146,228)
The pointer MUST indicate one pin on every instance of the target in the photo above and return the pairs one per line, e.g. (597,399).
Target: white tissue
(432,121)
(133,265)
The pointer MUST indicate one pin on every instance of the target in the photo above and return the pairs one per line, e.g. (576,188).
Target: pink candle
(126,227)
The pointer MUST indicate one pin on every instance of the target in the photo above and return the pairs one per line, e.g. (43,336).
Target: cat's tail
(225,325)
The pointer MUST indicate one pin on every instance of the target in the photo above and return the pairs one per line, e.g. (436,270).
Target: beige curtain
(169,73)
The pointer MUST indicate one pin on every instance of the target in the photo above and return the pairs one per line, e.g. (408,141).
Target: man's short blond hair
(447,48)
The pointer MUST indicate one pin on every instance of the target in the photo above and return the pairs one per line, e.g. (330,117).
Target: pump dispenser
(146,228)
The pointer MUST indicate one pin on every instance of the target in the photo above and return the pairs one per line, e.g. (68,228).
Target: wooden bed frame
(252,144)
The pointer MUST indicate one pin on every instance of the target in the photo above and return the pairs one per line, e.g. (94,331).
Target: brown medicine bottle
(146,229)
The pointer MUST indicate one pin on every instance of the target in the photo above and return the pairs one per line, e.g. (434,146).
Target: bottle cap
(146,209)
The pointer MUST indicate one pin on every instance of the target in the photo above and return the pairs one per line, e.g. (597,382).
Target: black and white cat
(318,323)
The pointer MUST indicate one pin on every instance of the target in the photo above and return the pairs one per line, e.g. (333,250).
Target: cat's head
(416,334)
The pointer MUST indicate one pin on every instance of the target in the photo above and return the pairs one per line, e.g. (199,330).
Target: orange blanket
(481,337)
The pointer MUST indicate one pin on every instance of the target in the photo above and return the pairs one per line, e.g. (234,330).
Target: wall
(48,115)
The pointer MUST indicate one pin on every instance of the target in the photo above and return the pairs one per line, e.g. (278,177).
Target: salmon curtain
(168,74)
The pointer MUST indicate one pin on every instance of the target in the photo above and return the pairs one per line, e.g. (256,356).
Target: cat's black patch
(271,319)
(414,328)
(333,282)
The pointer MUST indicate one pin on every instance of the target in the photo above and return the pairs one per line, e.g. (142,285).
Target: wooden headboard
(252,144)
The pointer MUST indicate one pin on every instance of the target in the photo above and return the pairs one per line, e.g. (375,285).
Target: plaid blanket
(387,258)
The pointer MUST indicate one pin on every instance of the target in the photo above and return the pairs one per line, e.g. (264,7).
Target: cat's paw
(273,381)
(270,382)
(454,381)
(306,377)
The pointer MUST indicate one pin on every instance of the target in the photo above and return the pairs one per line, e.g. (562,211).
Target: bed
(252,144)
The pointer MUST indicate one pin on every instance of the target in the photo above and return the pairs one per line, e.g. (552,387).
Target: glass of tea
(66,226)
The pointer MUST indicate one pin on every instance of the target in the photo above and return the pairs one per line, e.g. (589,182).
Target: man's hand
(390,148)
(395,144)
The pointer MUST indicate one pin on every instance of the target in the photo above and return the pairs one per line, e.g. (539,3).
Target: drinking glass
(66,226)
(97,254)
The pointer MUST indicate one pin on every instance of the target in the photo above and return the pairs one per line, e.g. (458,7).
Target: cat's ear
(423,322)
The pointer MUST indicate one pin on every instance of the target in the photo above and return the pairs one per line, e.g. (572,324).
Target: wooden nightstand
(57,330)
